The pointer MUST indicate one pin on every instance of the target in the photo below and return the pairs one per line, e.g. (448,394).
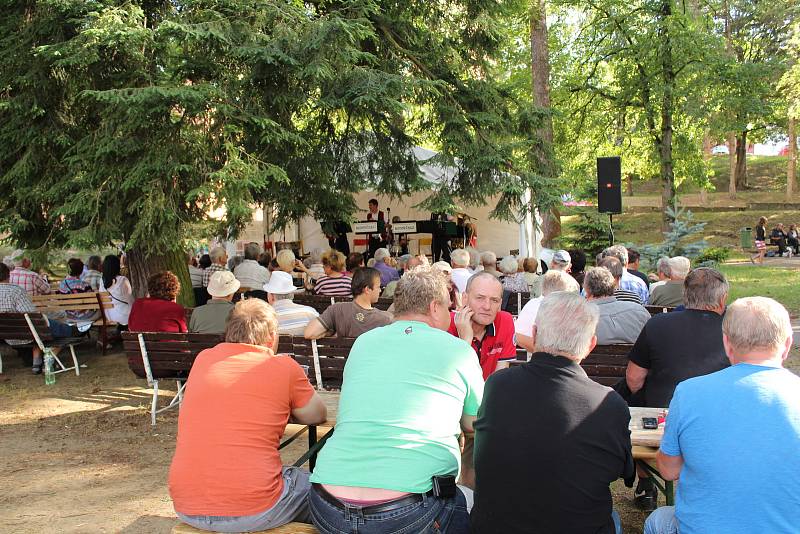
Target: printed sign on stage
(365,227)
(405,227)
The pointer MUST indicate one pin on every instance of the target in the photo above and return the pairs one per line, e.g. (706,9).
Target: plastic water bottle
(49,372)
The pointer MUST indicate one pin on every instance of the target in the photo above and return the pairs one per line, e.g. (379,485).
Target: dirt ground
(81,456)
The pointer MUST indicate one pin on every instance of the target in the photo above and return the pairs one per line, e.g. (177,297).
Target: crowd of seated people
(416,380)
(435,367)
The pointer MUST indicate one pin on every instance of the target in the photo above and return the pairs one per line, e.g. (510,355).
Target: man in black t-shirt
(549,440)
(678,345)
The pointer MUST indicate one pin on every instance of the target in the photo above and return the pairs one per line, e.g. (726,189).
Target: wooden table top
(639,436)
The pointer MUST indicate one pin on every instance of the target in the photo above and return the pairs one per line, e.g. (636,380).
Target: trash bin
(746,235)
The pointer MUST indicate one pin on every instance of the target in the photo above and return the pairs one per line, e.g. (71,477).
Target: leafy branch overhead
(134,120)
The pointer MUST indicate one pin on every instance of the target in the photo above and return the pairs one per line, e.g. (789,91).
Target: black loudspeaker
(609,185)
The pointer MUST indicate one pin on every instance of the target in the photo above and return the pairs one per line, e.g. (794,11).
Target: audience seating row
(34,326)
(90,301)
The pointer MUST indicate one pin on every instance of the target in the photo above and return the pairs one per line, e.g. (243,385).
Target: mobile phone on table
(650,423)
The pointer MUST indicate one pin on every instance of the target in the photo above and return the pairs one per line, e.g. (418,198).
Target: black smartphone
(650,423)
(444,486)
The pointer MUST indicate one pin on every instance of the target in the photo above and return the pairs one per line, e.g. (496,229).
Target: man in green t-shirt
(409,391)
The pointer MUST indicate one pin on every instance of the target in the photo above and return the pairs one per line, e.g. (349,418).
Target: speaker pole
(611,228)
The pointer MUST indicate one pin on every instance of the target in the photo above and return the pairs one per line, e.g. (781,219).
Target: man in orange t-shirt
(226,474)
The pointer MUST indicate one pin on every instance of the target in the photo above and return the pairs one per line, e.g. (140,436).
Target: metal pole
(611,228)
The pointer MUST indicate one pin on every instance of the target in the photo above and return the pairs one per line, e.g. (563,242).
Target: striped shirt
(30,281)
(293,318)
(334,287)
(627,296)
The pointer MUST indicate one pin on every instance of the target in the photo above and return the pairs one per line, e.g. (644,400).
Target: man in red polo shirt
(480,323)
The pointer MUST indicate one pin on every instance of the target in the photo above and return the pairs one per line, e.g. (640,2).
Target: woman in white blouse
(120,290)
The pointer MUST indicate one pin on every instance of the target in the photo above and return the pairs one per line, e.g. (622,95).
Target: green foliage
(133,120)
(713,256)
(590,232)
(677,240)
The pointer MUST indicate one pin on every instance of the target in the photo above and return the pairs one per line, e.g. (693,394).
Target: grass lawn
(781,284)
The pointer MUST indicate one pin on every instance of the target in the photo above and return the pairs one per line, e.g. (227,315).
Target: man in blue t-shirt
(733,436)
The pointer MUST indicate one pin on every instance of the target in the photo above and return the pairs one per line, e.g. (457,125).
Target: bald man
(481,323)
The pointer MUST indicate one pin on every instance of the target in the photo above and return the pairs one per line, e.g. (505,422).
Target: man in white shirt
(552,281)
(292,318)
(250,273)
(459,259)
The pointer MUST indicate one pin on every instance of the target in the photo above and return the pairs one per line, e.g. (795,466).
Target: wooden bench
(321,302)
(324,357)
(165,356)
(89,301)
(516,301)
(33,325)
(289,528)
(606,364)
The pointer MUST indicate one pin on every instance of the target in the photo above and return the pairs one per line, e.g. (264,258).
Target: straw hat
(222,284)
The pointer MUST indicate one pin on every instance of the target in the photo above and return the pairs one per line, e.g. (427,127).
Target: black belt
(412,498)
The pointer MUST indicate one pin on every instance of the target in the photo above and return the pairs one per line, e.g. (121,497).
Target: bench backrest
(14,326)
(332,353)
(606,364)
(59,302)
(171,355)
(516,301)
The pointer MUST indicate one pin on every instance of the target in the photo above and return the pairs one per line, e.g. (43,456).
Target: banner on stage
(406,227)
(365,227)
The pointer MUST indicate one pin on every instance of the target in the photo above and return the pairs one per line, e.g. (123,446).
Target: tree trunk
(708,144)
(540,78)
(792,163)
(141,265)
(732,164)
(741,160)
(629,185)
(667,105)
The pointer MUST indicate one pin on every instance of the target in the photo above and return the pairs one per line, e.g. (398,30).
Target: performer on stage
(440,243)
(376,241)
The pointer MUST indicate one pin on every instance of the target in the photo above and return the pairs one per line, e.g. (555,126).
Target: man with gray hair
(24,277)
(382,264)
(678,345)
(92,274)
(250,273)
(219,262)
(628,282)
(614,266)
(662,272)
(489,263)
(733,436)
(671,293)
(552,281)
(409,390)
(620,321)
(459,259)
(576,438)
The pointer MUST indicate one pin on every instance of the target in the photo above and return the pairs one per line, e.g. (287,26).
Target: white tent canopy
(499,237)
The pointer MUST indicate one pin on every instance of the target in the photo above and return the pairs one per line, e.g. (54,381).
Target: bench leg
(75,360)
(104,338)
(1,364)
(155,403)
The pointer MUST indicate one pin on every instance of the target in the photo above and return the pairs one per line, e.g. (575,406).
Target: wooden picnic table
(645,446)
(645,442)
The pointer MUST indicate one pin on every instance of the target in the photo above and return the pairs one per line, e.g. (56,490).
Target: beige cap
(222,284)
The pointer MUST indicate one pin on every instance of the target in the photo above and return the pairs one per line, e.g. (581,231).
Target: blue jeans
(662,521)
(617,521)
(432,515)
(59,329)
